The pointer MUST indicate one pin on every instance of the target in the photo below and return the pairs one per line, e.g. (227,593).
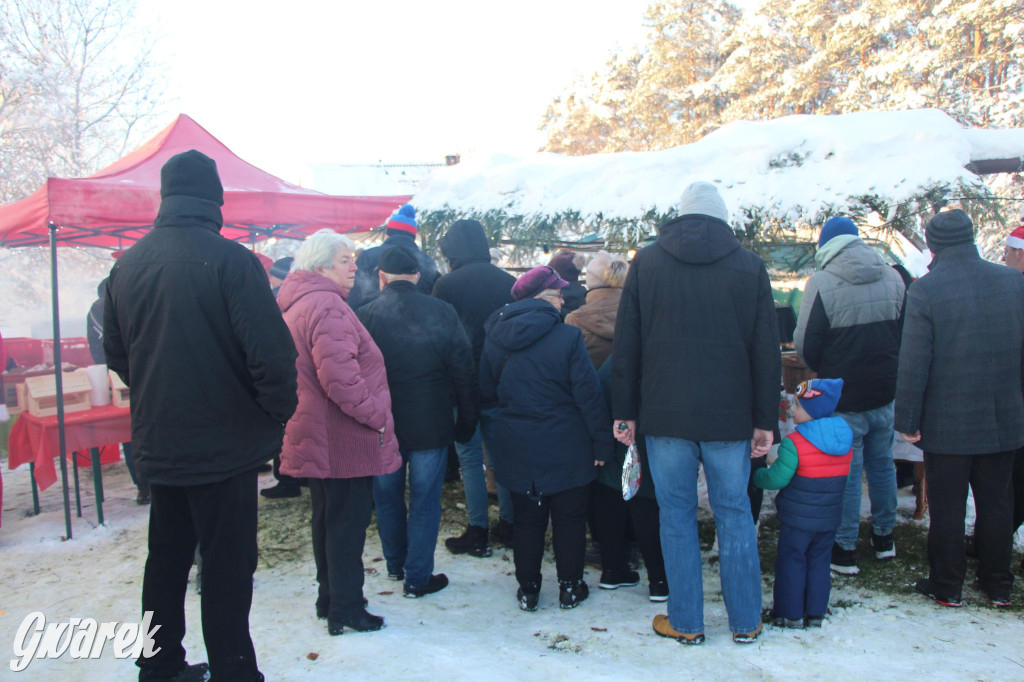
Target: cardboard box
(119,396)
(41,393)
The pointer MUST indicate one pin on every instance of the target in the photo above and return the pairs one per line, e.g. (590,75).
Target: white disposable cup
(100,381)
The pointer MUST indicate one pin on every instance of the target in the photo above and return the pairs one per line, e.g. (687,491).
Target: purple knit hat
(535,281)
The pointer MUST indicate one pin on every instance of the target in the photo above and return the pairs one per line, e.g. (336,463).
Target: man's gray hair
(320,249)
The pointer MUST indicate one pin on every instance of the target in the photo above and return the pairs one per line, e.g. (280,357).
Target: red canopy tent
(116,206)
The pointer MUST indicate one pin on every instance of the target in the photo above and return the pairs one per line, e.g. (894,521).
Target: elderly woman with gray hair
(342,434)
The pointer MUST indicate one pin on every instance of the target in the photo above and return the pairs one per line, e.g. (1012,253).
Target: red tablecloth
(35,439)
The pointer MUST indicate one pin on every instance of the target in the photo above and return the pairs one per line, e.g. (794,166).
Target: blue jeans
(674,463)
(409,542)
(474,481)
(872,454)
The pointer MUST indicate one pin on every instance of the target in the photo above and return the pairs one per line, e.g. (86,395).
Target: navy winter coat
(552,422)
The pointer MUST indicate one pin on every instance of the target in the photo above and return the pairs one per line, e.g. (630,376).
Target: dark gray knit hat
(949,228)
(191,174)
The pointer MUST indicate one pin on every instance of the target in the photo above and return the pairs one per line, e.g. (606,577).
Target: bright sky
(289,84)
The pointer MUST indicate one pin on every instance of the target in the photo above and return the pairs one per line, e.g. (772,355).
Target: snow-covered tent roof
(796,169)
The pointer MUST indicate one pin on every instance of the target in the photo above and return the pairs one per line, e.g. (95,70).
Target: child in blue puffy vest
(810,475)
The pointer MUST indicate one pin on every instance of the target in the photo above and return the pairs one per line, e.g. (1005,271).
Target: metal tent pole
(58,375)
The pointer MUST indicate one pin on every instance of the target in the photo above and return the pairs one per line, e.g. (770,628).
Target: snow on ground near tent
(796,167)
(473,630)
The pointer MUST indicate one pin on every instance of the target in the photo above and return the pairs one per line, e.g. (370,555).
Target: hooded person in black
(475,288)
(190,325)
(696,370)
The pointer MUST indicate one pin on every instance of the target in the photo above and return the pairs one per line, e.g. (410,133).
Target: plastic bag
(631,473)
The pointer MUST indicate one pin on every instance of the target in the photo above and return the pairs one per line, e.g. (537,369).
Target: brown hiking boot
(747,637)
(664,628)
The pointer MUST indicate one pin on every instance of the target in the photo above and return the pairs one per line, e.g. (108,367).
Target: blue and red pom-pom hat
(404,220)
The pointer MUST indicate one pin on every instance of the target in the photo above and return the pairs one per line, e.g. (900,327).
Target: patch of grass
(894,576)
(284,533)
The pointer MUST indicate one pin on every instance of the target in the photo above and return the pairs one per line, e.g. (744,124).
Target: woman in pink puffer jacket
(342,433)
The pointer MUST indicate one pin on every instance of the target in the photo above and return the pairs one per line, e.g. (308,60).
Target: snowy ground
(472,630)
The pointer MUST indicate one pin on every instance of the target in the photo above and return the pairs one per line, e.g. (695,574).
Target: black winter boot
(473,542)
(361,621)
(528,596)
(571,593)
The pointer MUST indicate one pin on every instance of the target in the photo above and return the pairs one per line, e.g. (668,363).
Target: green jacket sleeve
(780,473)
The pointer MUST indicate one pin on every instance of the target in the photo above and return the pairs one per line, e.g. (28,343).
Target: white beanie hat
(703,198)
(595,269)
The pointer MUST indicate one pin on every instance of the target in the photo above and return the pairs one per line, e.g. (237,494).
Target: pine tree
(703,66)
(659,97)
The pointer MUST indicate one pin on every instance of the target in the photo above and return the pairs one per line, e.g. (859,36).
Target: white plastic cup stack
(100,381)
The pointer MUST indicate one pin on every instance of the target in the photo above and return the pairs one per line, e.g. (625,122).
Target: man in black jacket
(696,370)
(476,288)
(401,230)
(429,364)
(959,396)
(191,326)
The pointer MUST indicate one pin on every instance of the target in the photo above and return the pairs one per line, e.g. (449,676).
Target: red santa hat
(1015,240)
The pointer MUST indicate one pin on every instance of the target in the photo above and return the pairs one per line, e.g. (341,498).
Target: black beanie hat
(281,267)
(191,174)
(398,260)
(949,228)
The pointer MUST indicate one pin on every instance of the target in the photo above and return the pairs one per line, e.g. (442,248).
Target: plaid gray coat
(960,367)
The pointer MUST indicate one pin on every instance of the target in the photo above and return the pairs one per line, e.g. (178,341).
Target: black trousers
(612,516)
(1018,489)
(341,514)
(221,517)
(990,478)
(568,513)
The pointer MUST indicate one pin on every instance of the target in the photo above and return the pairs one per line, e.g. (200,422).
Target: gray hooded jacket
(850,323)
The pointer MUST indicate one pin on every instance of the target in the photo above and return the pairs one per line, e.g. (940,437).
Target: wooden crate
(119,396)
(794,372)
(41,393)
